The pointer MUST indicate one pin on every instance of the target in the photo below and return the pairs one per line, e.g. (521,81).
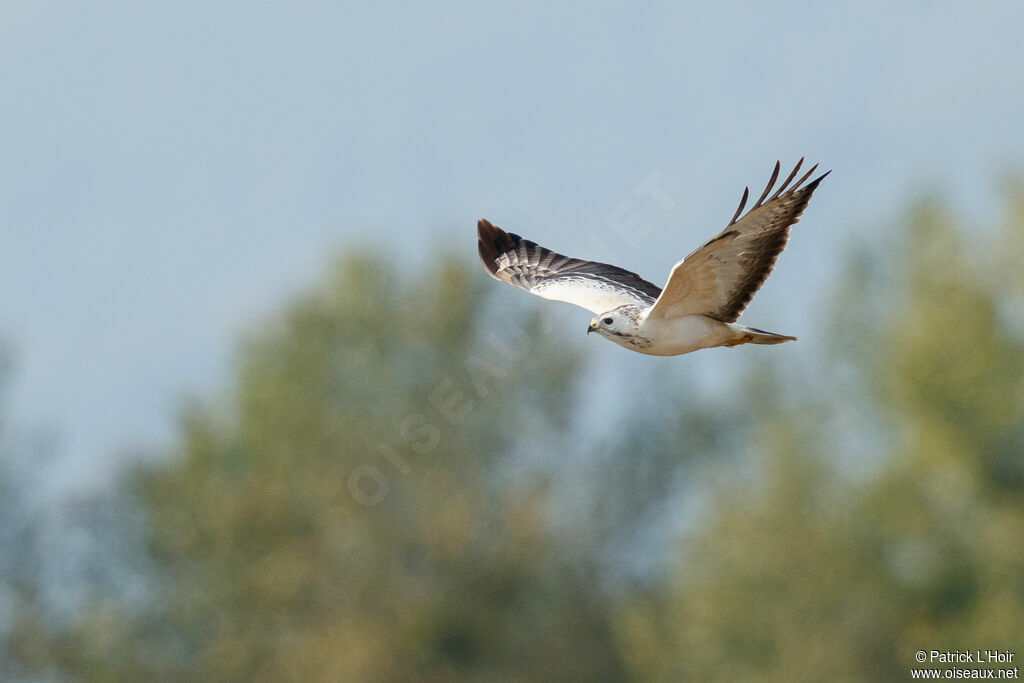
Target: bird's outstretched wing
(720,278)
(597,287)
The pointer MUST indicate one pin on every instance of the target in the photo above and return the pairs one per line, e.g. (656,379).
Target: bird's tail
(752,335)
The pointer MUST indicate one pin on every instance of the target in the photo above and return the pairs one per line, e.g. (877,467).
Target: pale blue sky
(170,173)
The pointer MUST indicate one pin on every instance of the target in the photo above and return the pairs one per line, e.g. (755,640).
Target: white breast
(683,335)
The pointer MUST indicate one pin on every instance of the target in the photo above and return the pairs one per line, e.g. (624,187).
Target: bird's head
(617,322)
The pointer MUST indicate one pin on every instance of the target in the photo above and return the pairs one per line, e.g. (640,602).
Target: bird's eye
(607,321)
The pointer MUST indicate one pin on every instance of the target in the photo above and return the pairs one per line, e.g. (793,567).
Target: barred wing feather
(597,287)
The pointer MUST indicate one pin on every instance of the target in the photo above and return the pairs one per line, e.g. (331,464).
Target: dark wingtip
(789,179)
(743,202)
(771,183)
(484,227)
(492,242)
(813,185)
(486,245)
(487,258)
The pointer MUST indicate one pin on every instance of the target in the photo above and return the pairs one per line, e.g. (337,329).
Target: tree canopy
(364,501)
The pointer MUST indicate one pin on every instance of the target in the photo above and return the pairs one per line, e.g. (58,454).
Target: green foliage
(345,518)
(808,572)
(367,504)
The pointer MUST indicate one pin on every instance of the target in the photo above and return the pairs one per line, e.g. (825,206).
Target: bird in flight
(705,294)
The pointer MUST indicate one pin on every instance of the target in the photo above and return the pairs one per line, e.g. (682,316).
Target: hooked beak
(592,327)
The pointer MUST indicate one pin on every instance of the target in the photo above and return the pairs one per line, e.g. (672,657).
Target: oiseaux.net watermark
(964,664)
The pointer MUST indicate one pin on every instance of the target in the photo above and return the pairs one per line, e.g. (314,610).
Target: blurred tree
(24,637)
(19,604)
(346,516)
(56,555)
(350,511)
(813,570)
